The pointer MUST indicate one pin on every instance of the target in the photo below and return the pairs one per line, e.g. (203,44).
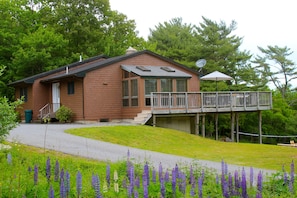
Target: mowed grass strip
(183,144)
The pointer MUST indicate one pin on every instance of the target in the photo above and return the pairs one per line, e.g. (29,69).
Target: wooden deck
(208,102)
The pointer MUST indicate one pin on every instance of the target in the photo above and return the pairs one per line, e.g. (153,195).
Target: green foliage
(8,116)
(64,114)
(17,178)
(40,51)
(276,68)
(173,39)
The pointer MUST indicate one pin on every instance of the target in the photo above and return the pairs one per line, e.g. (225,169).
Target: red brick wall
(103,93)
(73,101)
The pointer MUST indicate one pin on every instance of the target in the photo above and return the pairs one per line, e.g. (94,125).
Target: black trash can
(28,115)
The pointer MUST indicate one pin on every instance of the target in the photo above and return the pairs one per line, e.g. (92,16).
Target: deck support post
(237,126)
(197,119)
(203,125)
(260,126)
(232,125)
(154,120)
(216,125)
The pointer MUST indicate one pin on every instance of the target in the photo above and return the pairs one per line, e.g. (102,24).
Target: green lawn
(184,144)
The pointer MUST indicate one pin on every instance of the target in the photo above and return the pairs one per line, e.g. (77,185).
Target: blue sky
(260,23)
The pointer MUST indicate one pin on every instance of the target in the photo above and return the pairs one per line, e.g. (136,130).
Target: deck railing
(195,102)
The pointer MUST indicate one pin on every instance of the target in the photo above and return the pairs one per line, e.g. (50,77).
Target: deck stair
(142,117)
(46,112)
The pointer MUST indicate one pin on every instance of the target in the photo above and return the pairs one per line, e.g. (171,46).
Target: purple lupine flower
(51,193)
(173,181)
(136,195)
(124,183)
(96,183)
(57,171)
(48,169)
(62,175)
(144,184)
(108,175)
(35,175)
(251,177)
(166,177)
(182,183)
(192,178)
(285,176)
(259,185)
(243,185)
(217,179)
(137,182)
(131,186)
(78,183)
(154,176)
(128,154)
(223,168)
(147,173)
(226,168)
(224,185)
(202,175)
(176,171)
(200,182)
(163,190)
(9,158)
(67,183)
(230,184)
(292,174)
(236,183)
(258,195)
(160,172)
(193,185)
(63,193)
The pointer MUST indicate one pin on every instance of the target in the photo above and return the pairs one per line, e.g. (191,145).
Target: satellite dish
(200,63)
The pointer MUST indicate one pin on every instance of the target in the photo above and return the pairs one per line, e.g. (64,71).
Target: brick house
(105,89)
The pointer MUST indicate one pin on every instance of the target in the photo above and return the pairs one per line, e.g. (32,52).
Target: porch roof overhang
(155,71)
(62,76)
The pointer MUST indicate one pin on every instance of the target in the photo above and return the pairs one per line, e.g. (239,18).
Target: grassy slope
(183,144)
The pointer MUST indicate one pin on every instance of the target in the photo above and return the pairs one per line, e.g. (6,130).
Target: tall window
(125,91)
(24,93)
(150,86)
(134,92)
(166,85)
(181,85)
(70,87)
(130,92)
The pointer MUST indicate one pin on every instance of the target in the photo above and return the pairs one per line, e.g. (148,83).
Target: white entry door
(56,96)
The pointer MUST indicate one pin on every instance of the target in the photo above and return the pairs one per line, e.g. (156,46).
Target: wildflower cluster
(132,180)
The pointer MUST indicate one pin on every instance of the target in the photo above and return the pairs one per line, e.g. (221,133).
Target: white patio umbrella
(216,76)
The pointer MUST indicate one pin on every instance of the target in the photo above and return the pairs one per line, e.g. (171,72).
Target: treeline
(37,36)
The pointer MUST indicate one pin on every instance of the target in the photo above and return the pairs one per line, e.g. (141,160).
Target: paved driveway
(52,136)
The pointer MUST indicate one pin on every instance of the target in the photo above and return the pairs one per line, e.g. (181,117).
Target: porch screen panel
(150,86)
(134,92)
(166,85)
(181,85)
(125,92)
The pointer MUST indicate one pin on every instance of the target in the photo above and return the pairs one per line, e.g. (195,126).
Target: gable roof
(89,66)
(31,79)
